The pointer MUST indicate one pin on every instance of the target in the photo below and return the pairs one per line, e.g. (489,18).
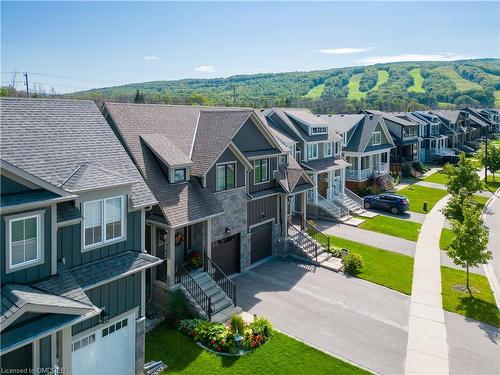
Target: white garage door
(109,350)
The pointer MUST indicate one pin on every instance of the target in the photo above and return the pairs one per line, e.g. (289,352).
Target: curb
(488,268)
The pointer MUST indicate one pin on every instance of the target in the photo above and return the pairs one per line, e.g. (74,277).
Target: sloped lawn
(409,230)
(446,238)
(383,267)
(420,194)
(438,177)
(281,355)
(480,306)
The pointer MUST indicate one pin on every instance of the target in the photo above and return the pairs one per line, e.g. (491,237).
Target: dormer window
(283,159)
(376,138)
(317,130)
(179,174)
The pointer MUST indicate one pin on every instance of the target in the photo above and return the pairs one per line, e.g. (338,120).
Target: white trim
(53,240)
(379,133)
(104,241)
(38,204)
(308,145)
(250,227)
(325,146)
(194,135)
(40,245)
(35,347)
(143,293)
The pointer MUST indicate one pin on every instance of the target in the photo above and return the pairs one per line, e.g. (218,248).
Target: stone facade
(234,203)
(139,345)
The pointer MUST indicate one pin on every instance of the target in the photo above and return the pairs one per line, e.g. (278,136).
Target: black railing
(224,282)
(303,241)
(319,236)
(194,289)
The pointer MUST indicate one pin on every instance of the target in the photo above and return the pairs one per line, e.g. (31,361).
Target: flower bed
(227,339)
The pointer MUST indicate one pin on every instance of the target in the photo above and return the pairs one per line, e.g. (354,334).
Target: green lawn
(418,194)
(493,185)
(480,306)
(353,86)
(462,84)
(408,230)
(418,81)
(383,267)
(481,201)
(280,355)
(438,177)
(446,238)
(315,92)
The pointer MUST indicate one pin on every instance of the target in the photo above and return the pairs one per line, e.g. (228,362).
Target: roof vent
(262,109)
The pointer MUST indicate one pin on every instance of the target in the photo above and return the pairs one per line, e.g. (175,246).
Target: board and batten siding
(115,298)
(271,184)
(250,138)
(69,242)
(267,206)
(30,274)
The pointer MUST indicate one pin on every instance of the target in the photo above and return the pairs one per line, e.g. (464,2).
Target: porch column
(316,190)
(359,158)
(284,216)
(303,204)
(66,349)
(379,162)
(153,252)
(209,237)
(389,157)
(171,258)
(331,180)
(342,180)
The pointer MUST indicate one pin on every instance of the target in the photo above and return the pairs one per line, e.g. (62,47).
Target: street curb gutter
(488,268)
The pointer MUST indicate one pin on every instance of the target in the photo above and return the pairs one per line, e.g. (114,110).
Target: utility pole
(486,157)
(234,95)
(25,74)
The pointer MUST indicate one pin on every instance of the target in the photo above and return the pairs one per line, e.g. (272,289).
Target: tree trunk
(468,288)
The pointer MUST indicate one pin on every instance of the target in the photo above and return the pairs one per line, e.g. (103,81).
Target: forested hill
(396,86)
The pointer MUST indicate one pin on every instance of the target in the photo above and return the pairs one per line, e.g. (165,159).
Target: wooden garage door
(261,243)
(226,254)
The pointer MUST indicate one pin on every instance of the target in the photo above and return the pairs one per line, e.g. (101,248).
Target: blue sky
(77,46)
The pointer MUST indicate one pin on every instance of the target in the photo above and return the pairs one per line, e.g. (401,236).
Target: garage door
(108,350)
(261,243)
(226,254)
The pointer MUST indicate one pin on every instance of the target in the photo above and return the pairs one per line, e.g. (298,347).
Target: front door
(323,185)
(161,252)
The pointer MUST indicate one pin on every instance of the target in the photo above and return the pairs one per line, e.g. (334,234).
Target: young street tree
(454,208)
(493,157)
(463,175)
(469,247)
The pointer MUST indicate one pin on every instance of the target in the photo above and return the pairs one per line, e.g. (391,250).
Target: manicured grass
(446,238)
(418,81)
(409,230)
(481,201)
(462,84)
(353,86)
(315,92)
(280,355)
(420,194)
(493,185)
(480,306)
(438,177)
(383,267)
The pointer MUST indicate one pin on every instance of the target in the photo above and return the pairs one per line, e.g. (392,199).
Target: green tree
(493,157)
(463,175)
(454,207)
(469,247)
(139,97)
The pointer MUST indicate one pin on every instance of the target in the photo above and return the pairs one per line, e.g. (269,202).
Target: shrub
(237,324)
(406,170)
(352,263)
(177,307)
(195,260)
(262,327)
(420,167)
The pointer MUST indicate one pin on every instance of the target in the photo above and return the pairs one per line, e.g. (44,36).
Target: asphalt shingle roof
(163,148)
(361,137)
(342,123)
(325,164)
(52,138)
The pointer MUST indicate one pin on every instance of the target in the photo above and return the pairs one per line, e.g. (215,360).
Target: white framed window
(319,130)
(337,148)
(312,151)
(328,149)
(180,175)
(283,159)
(104,221)
(261,171)
(24,240)
(376,138)
(225,176)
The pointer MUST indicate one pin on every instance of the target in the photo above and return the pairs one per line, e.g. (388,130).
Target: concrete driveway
(351,318)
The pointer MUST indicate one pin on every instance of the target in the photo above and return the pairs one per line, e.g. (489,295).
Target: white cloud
(444,56)
(205,69)
(344,51)
(151,58)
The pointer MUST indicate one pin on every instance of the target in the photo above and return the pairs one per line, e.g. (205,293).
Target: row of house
(101,209)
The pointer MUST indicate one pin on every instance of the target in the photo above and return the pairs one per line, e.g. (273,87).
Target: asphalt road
(362,322)
(492,221)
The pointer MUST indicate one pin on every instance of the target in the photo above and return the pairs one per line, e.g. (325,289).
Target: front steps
(222,305)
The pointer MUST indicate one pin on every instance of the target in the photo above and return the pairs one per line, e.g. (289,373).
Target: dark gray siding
(34,273)
(267,206)
(250,138)
(115,298)
(9,186)
(45,352)
(273,166)
(69,243)
(227,156)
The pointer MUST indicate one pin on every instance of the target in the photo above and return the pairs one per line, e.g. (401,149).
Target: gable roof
(450,115)
(360,139)
(165,150)
(399,118)
(288,117)
(51,138)
(344,122)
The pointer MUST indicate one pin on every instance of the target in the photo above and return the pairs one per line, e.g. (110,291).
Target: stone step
(225,315)
(222,304)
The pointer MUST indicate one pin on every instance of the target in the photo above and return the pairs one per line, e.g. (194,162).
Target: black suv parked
(396,204)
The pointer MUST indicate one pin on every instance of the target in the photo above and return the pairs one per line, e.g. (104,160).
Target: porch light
(239,342)
(104,317)
(227,231)
(262,215)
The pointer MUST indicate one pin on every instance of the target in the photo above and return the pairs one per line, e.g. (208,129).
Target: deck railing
(220,278)
(319,236)
(199,295)
(304,242)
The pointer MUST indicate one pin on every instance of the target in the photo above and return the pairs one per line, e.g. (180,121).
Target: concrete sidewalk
(427,350)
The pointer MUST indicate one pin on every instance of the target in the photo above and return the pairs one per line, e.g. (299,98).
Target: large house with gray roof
(73,261)
(224,187)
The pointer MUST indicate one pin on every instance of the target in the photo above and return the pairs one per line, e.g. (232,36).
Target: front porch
(365,166)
